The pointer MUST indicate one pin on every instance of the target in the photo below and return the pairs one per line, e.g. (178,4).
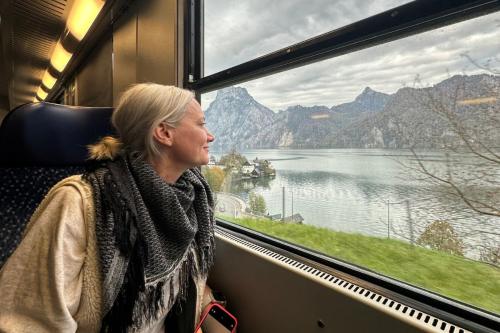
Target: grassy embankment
(469,281)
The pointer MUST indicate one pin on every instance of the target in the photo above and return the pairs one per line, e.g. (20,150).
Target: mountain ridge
(410,117)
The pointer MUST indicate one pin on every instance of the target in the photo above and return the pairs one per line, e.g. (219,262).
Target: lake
(369,191)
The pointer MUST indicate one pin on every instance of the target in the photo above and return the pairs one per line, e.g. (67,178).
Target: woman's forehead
(194,109)
(194,103)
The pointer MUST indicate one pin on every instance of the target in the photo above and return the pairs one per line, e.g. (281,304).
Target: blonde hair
(141,108)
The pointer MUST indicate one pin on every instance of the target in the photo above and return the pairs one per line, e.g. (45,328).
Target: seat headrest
(46,134)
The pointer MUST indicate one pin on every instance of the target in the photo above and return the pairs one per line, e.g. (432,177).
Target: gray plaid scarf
(153,238)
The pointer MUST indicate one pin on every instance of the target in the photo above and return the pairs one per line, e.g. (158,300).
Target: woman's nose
(210,137)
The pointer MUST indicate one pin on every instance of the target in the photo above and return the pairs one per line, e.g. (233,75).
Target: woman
(127,246)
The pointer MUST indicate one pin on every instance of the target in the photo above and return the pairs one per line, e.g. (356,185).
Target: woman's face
(191,138)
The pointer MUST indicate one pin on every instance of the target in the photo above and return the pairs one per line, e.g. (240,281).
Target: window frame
(396,23)
(399,22)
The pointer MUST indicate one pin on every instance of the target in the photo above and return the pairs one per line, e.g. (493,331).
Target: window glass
(237,31)
(388,158)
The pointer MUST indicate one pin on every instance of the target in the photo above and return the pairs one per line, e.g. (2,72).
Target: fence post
(410,221)
(388,221)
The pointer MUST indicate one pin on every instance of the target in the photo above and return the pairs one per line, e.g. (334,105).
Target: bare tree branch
(478,65)
(458,128)
(471,203)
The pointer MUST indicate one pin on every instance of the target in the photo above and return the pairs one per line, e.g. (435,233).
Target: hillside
(411,117)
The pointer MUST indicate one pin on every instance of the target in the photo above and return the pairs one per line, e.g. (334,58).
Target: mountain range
(428,117)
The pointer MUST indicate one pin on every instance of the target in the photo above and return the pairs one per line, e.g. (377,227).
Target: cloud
(237,31)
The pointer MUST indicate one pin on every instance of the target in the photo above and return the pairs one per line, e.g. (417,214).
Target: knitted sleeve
(41,283)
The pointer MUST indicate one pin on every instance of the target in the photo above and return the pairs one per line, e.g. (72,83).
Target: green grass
(456,277)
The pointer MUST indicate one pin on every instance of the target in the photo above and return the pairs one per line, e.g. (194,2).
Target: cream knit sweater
(52,282)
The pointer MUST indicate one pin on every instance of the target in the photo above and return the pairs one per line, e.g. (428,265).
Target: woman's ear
(164,134)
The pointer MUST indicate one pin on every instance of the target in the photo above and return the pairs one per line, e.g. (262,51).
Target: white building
(247,168)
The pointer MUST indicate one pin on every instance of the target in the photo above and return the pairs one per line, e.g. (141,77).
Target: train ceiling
(29,30)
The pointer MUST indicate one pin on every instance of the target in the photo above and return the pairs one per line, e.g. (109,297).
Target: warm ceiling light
(41,93)
(82,15)
(60,57)
(48,80)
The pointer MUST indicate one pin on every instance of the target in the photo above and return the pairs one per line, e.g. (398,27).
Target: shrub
(257,203)
(440,235)
(214,177)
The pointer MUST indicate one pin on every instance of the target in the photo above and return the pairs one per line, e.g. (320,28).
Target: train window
(264,26)
(70,93)
(386,157)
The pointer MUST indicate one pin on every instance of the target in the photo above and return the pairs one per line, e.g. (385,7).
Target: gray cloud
(237,31)
(242,31)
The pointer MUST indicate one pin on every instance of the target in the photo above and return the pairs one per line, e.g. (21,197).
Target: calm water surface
(364,191)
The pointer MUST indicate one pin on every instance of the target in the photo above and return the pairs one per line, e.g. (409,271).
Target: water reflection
(244,186)
(369,192)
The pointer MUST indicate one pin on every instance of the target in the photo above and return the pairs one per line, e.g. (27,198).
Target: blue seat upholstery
(40,144)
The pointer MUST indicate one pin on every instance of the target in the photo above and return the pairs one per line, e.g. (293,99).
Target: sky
(240,30)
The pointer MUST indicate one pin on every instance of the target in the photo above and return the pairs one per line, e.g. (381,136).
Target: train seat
(40,144)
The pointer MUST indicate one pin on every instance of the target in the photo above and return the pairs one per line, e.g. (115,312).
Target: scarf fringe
(121,315)
(160,296)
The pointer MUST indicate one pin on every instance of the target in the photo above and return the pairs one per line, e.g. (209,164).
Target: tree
(466,113)
(441,236)
(472,128)
(265,166)
(233,160)
(215,177)
(257,203)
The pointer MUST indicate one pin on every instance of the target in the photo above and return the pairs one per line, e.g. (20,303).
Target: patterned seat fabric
(41,144)
(21,190)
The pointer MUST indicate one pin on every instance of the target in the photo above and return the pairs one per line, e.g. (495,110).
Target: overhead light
(82,15)
(41,94)
(60,57)
(48,80)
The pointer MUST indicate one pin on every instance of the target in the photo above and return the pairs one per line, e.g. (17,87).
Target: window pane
(387,157)
(237,31)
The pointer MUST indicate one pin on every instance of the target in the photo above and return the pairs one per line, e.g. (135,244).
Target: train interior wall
(142,46)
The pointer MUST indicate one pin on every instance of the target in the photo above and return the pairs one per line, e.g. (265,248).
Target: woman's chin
(200,163)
